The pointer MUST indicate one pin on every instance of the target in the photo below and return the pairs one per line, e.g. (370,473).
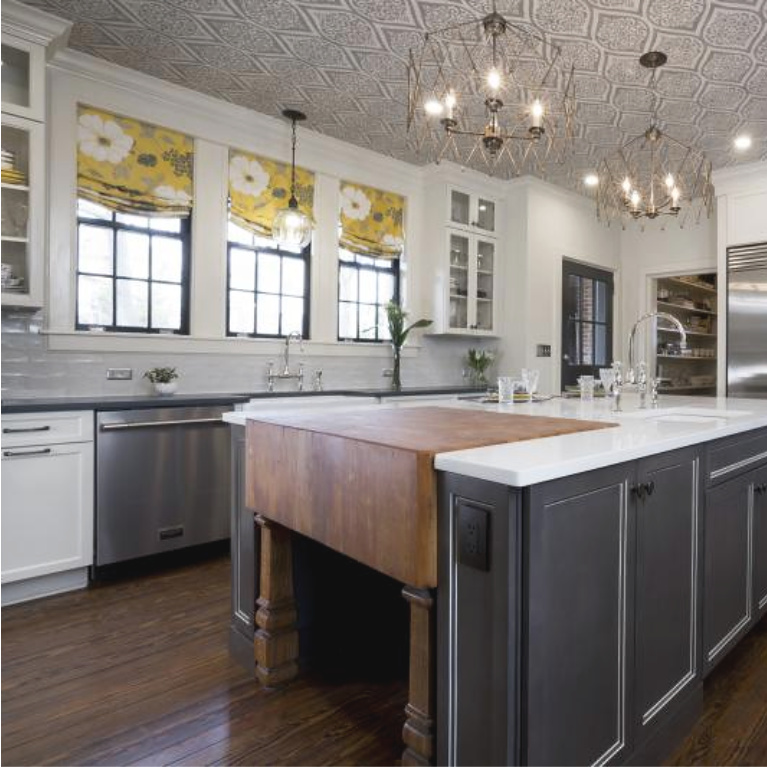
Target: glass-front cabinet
(471,293)
(22,191)
(473,211)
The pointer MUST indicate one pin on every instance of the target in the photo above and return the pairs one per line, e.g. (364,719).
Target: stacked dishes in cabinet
(692,299)
(14,211)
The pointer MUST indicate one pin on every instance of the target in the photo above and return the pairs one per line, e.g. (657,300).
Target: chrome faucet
(286,373)
(641,380)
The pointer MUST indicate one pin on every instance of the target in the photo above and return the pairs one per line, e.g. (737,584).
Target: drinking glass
(530,378)
(587,388)
(506,389)
(607,377)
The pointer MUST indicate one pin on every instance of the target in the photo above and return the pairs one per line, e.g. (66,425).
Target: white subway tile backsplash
(29,368)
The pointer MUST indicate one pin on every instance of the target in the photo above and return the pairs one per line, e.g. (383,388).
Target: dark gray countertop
(131,402)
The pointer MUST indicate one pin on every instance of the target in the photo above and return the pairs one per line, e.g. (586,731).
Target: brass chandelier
(653,174)
(491,94)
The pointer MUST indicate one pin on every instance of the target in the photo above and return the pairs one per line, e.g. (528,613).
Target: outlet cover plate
(473,528)
(119,374)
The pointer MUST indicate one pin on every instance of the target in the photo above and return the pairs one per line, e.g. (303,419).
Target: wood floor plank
(138,672)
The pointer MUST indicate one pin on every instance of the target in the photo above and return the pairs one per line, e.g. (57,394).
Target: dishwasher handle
(157,424)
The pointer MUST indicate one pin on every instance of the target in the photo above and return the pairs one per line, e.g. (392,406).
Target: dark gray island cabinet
(578,617)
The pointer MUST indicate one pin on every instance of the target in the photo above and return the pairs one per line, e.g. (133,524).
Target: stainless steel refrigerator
(747,321)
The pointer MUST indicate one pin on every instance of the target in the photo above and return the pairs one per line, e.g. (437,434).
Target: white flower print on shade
(103,140)
(354,203)
(169,193)
(247,176)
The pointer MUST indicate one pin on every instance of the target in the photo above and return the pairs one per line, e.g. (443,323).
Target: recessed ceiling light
(591,179)
(742,142)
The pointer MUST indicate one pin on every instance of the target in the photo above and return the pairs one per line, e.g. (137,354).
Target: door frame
(588,270)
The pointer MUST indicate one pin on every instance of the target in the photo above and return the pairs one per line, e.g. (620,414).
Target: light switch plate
(543,350)
(119,374)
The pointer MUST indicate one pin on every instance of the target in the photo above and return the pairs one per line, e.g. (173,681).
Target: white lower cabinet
(47,505)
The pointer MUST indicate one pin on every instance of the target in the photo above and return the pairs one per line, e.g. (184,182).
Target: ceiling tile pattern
(343,61)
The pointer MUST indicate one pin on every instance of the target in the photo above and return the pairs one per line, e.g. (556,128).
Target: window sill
(68,340)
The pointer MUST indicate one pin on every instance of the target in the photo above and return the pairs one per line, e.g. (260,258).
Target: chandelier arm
(467,50)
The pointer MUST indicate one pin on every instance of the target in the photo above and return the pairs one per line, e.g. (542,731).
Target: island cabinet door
(760,542)
(667,668)
(579,625)
(727,572)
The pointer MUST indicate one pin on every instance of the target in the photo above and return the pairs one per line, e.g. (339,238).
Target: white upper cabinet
(27,35)
(474,212)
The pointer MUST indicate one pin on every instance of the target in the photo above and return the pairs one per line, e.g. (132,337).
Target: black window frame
(304,255)
(184,235)
(392,268)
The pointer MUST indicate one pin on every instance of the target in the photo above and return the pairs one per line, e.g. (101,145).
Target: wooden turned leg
(418,732)
(276,638)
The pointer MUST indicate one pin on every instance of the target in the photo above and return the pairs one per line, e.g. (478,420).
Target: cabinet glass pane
(484,314)
(15,213)
(15,76)
(459,251)
(459,308)
(460,207)
(486,215)
(485,257)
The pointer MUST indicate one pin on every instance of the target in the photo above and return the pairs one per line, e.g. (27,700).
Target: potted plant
(479,360)
(163,379)
(396,317)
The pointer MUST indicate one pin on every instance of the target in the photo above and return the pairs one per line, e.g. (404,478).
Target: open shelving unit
(692,299)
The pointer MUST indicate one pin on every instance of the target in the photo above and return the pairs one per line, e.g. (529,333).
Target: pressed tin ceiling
(343,61)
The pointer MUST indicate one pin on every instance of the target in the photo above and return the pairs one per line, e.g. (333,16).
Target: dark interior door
(587,321)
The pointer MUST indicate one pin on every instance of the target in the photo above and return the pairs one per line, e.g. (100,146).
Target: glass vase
(396,381)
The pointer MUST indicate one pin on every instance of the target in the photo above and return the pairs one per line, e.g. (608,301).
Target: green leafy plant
(398,331)
(479,360)
(161,375)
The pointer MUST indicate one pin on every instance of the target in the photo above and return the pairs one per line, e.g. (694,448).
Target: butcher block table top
(362,482)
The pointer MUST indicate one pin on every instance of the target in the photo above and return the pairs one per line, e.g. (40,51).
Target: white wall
(548,224)
(655,252)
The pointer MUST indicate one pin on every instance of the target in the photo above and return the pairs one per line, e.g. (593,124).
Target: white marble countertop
(677,422)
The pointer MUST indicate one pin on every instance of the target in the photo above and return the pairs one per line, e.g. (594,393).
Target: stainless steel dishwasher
(162,480)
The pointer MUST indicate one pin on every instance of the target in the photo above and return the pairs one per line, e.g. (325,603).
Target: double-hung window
(134,212)
(365,286)
(267,286)
(371,241)
(132,271)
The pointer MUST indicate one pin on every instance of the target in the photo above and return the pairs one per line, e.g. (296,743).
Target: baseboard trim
(44,586)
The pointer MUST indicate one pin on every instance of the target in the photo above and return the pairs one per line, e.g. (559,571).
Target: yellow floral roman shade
(260,187)
(132,166)
(371,221)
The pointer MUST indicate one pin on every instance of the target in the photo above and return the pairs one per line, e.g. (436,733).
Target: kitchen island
(585,582)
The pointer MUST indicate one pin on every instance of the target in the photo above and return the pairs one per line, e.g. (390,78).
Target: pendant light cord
(293,202)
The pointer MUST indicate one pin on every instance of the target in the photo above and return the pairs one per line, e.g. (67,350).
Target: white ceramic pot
(165,389)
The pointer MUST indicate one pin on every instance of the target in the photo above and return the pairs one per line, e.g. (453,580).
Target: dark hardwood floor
(138,672)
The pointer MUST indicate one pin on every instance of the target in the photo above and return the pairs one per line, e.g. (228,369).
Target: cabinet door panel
(760,542)
(47,500)
(666,587)
(578,626)
(727,572)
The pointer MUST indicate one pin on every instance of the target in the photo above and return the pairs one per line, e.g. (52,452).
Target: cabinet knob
(650,487)
(638,490)
(759,489)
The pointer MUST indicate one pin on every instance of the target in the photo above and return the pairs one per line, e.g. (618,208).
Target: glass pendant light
(292,228)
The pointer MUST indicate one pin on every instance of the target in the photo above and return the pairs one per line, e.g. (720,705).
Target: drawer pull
(24,430)
(17,453)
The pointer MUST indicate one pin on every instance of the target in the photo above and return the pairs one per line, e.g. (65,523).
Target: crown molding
(35,25)
(741,178)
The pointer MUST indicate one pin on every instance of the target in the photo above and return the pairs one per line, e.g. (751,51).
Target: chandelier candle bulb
(433,107)
(536,114)
(494,80)
(450,102)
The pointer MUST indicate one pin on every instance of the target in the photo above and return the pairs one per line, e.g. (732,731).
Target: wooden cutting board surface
(363,482)
(433,429)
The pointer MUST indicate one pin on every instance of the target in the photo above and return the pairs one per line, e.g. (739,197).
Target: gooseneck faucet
(631,373)
(294,336)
